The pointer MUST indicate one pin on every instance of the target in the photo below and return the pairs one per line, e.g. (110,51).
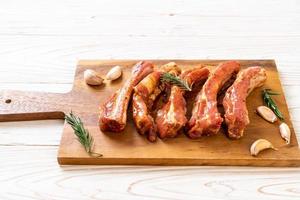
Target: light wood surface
(129,147)
(41,43)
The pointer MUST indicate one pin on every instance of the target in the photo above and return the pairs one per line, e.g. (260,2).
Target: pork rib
(142,119)
(113,114)
(172,116)
(206,119)
(145,94)
(234,102)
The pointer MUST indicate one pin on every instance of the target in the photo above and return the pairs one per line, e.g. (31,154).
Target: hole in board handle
(8,101)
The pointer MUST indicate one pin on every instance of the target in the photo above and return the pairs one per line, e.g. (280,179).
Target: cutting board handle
(22,105)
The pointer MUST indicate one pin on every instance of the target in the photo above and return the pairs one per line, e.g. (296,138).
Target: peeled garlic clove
(266,113)
(285,132)
(92,78)
(260,145)
(114,73)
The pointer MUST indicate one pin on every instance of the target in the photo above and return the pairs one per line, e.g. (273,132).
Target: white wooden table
(41,41)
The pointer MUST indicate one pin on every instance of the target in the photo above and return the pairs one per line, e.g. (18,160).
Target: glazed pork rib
(172,116)
(113,115)
(206,119)
(149,88)
(234,102)
(144,96)
(142,118)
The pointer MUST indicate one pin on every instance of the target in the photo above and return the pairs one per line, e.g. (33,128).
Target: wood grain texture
(31,174)
(41,42)
(131,148)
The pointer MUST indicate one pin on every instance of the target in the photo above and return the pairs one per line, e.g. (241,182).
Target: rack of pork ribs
(159,108)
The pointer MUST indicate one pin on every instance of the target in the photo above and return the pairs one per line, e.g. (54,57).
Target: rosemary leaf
(272,93)
(83,135)
(267,93)
(170,78)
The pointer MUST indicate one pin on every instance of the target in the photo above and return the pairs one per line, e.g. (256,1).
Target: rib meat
(145,94)
(113,115)
(149,88)
(234,102)
(142,119)
(206,119)
(172,117)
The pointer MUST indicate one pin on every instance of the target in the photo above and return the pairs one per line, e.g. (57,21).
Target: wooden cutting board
(131,148)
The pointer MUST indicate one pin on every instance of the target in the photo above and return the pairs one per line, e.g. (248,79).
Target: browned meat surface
(142,118)
(206,119)
(145,94)
(236,113)
(113,114)
(148,85)
(172,117)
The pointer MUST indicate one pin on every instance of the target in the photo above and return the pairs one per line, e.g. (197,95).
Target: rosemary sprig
(83,135)
(170,78)
(267,93)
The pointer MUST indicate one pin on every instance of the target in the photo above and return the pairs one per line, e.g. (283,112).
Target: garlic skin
(91,77)
(260,145)
(266,113)
(114,73)
(285,132)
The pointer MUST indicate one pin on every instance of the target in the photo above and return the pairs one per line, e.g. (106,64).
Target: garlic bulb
(266,113)
(285,132)
(260,145)
(114,73)
(91,77)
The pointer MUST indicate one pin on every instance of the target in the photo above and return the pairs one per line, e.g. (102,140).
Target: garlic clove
(91,77)
(260,145)
(285,132)
(114,73)
(266,113)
